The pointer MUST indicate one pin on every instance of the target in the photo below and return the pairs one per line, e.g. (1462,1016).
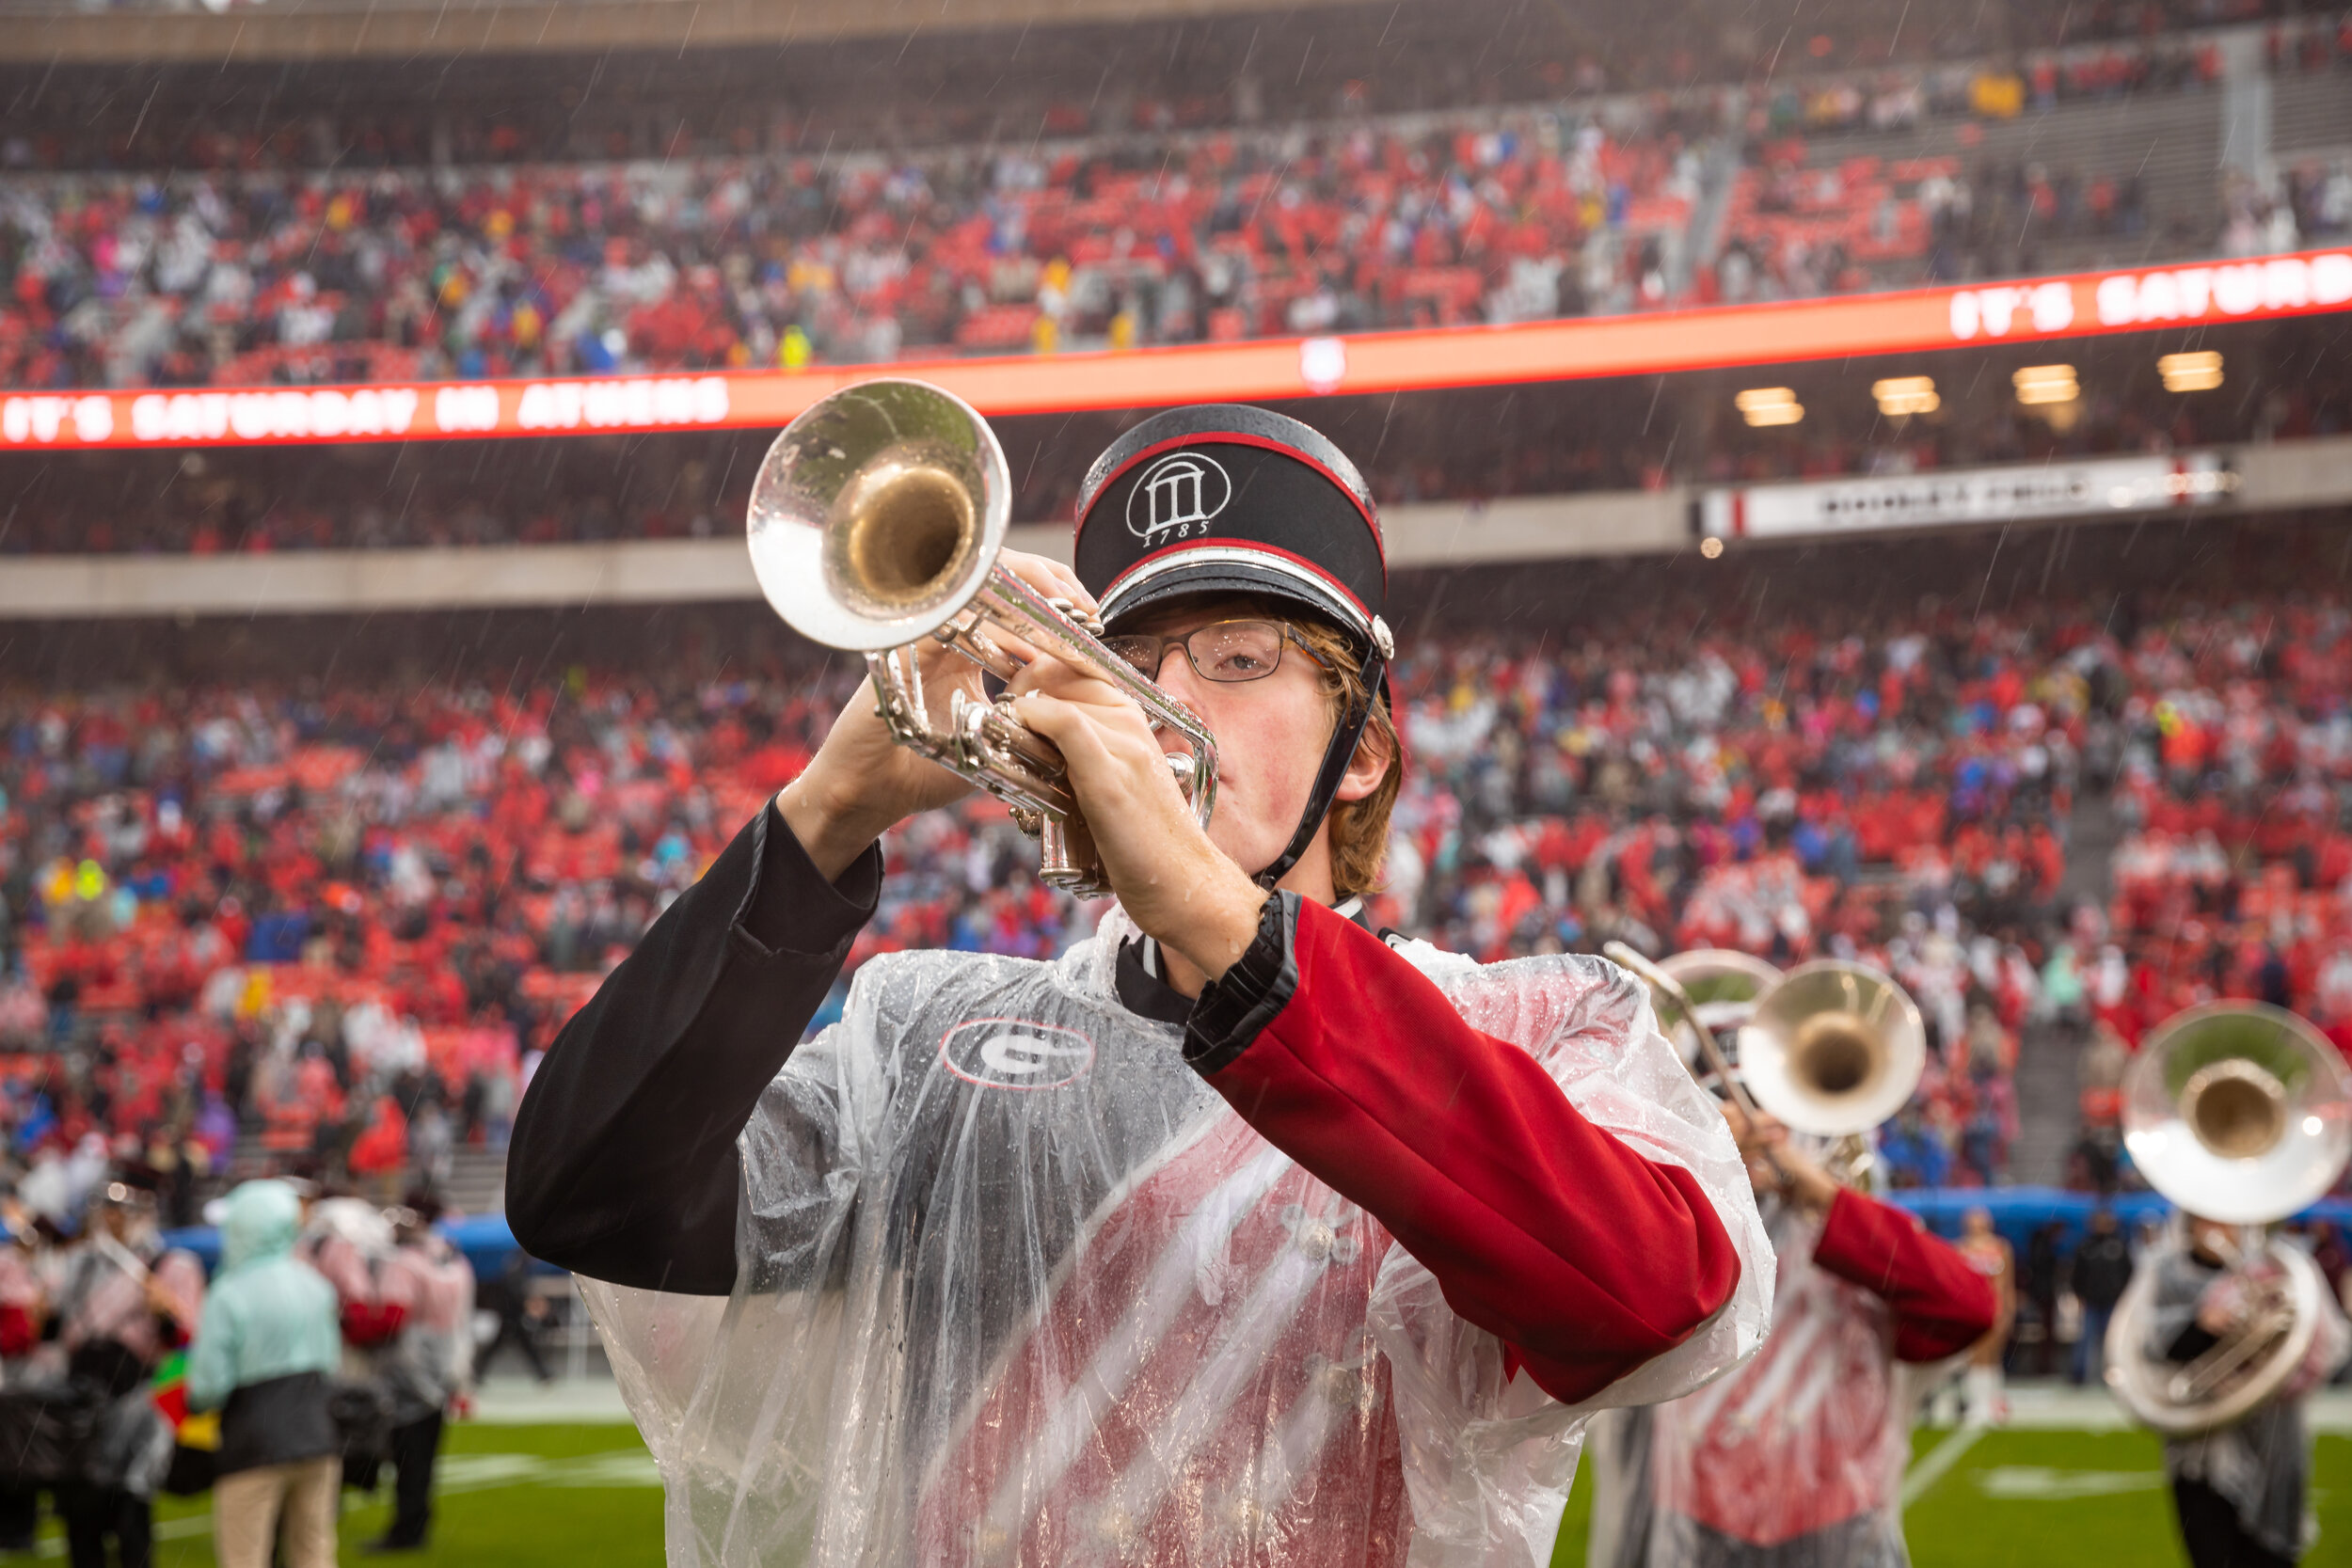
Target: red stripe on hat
(1230,544)
(1235,437)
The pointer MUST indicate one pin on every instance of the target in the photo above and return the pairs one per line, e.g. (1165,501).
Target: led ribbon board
(2028,310)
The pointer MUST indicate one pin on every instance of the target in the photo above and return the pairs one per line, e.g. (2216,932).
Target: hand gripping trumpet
(876,521)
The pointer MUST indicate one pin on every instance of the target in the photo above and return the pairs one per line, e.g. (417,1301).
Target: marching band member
(1795,1460)
(122,1301)
(2239,1489)
(426,1368)
(1237,1232)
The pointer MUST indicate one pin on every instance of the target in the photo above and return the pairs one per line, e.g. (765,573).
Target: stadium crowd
(553,269)
(343,925)
(1201,78)
(761,257)
(340,919)
(2235,876)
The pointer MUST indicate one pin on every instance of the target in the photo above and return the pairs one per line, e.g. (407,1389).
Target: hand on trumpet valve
(1775,1164)
(862,783)
(1173,883)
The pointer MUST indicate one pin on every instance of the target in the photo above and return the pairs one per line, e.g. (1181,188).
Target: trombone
(875,526)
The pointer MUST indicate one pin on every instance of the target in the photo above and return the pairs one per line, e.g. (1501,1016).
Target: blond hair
(1359,829)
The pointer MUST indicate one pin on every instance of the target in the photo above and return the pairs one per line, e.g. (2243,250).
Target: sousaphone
(2239,1112)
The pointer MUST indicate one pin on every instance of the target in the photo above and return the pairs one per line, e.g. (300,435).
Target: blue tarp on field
(484,1240)
(2017,1211)
(487,1242)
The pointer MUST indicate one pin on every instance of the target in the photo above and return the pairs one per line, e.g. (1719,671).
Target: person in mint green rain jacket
(265,1355)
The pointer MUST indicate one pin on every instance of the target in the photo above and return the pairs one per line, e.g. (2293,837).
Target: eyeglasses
(1228,652)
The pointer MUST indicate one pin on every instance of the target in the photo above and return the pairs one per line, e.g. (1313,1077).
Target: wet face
(1270,736)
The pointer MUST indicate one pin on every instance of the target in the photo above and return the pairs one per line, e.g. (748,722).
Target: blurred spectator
(2040,1277)
(2101,1266)
(522,1318)
(379,1156)
(267,1347)
(1990,1255)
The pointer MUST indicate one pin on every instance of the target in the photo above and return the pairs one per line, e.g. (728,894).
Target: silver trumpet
(2238,1113)
(876,521)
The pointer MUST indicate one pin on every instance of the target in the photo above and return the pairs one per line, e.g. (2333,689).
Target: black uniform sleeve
(623,1166)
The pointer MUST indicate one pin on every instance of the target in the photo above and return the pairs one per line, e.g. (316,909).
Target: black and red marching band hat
(1221,498)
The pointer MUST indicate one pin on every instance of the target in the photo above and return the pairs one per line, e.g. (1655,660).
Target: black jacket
(623,1166)
(2101,1269)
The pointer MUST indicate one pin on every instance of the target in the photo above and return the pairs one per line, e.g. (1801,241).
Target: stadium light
(1766,405)
(2190,373)
(1901,396)
(2037,384)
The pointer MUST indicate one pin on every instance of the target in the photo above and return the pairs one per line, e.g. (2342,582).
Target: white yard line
(1939,1458)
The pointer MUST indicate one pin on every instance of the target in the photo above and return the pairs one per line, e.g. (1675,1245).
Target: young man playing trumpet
(1235,1234)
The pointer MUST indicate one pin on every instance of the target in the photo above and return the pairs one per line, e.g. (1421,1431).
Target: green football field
(2048,1499)
(559,1497)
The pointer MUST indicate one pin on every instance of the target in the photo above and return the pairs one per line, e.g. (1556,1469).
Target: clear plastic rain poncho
(1016,1287)
(1808,1440)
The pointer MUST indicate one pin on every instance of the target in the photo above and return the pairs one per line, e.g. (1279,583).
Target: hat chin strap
(1336,758)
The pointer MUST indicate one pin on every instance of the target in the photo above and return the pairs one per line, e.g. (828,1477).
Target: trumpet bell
(1833,1049)
(2239,1112)
(877,515)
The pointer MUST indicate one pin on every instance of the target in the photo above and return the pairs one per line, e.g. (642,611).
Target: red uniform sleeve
(1942,1306)
(1583,1256)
